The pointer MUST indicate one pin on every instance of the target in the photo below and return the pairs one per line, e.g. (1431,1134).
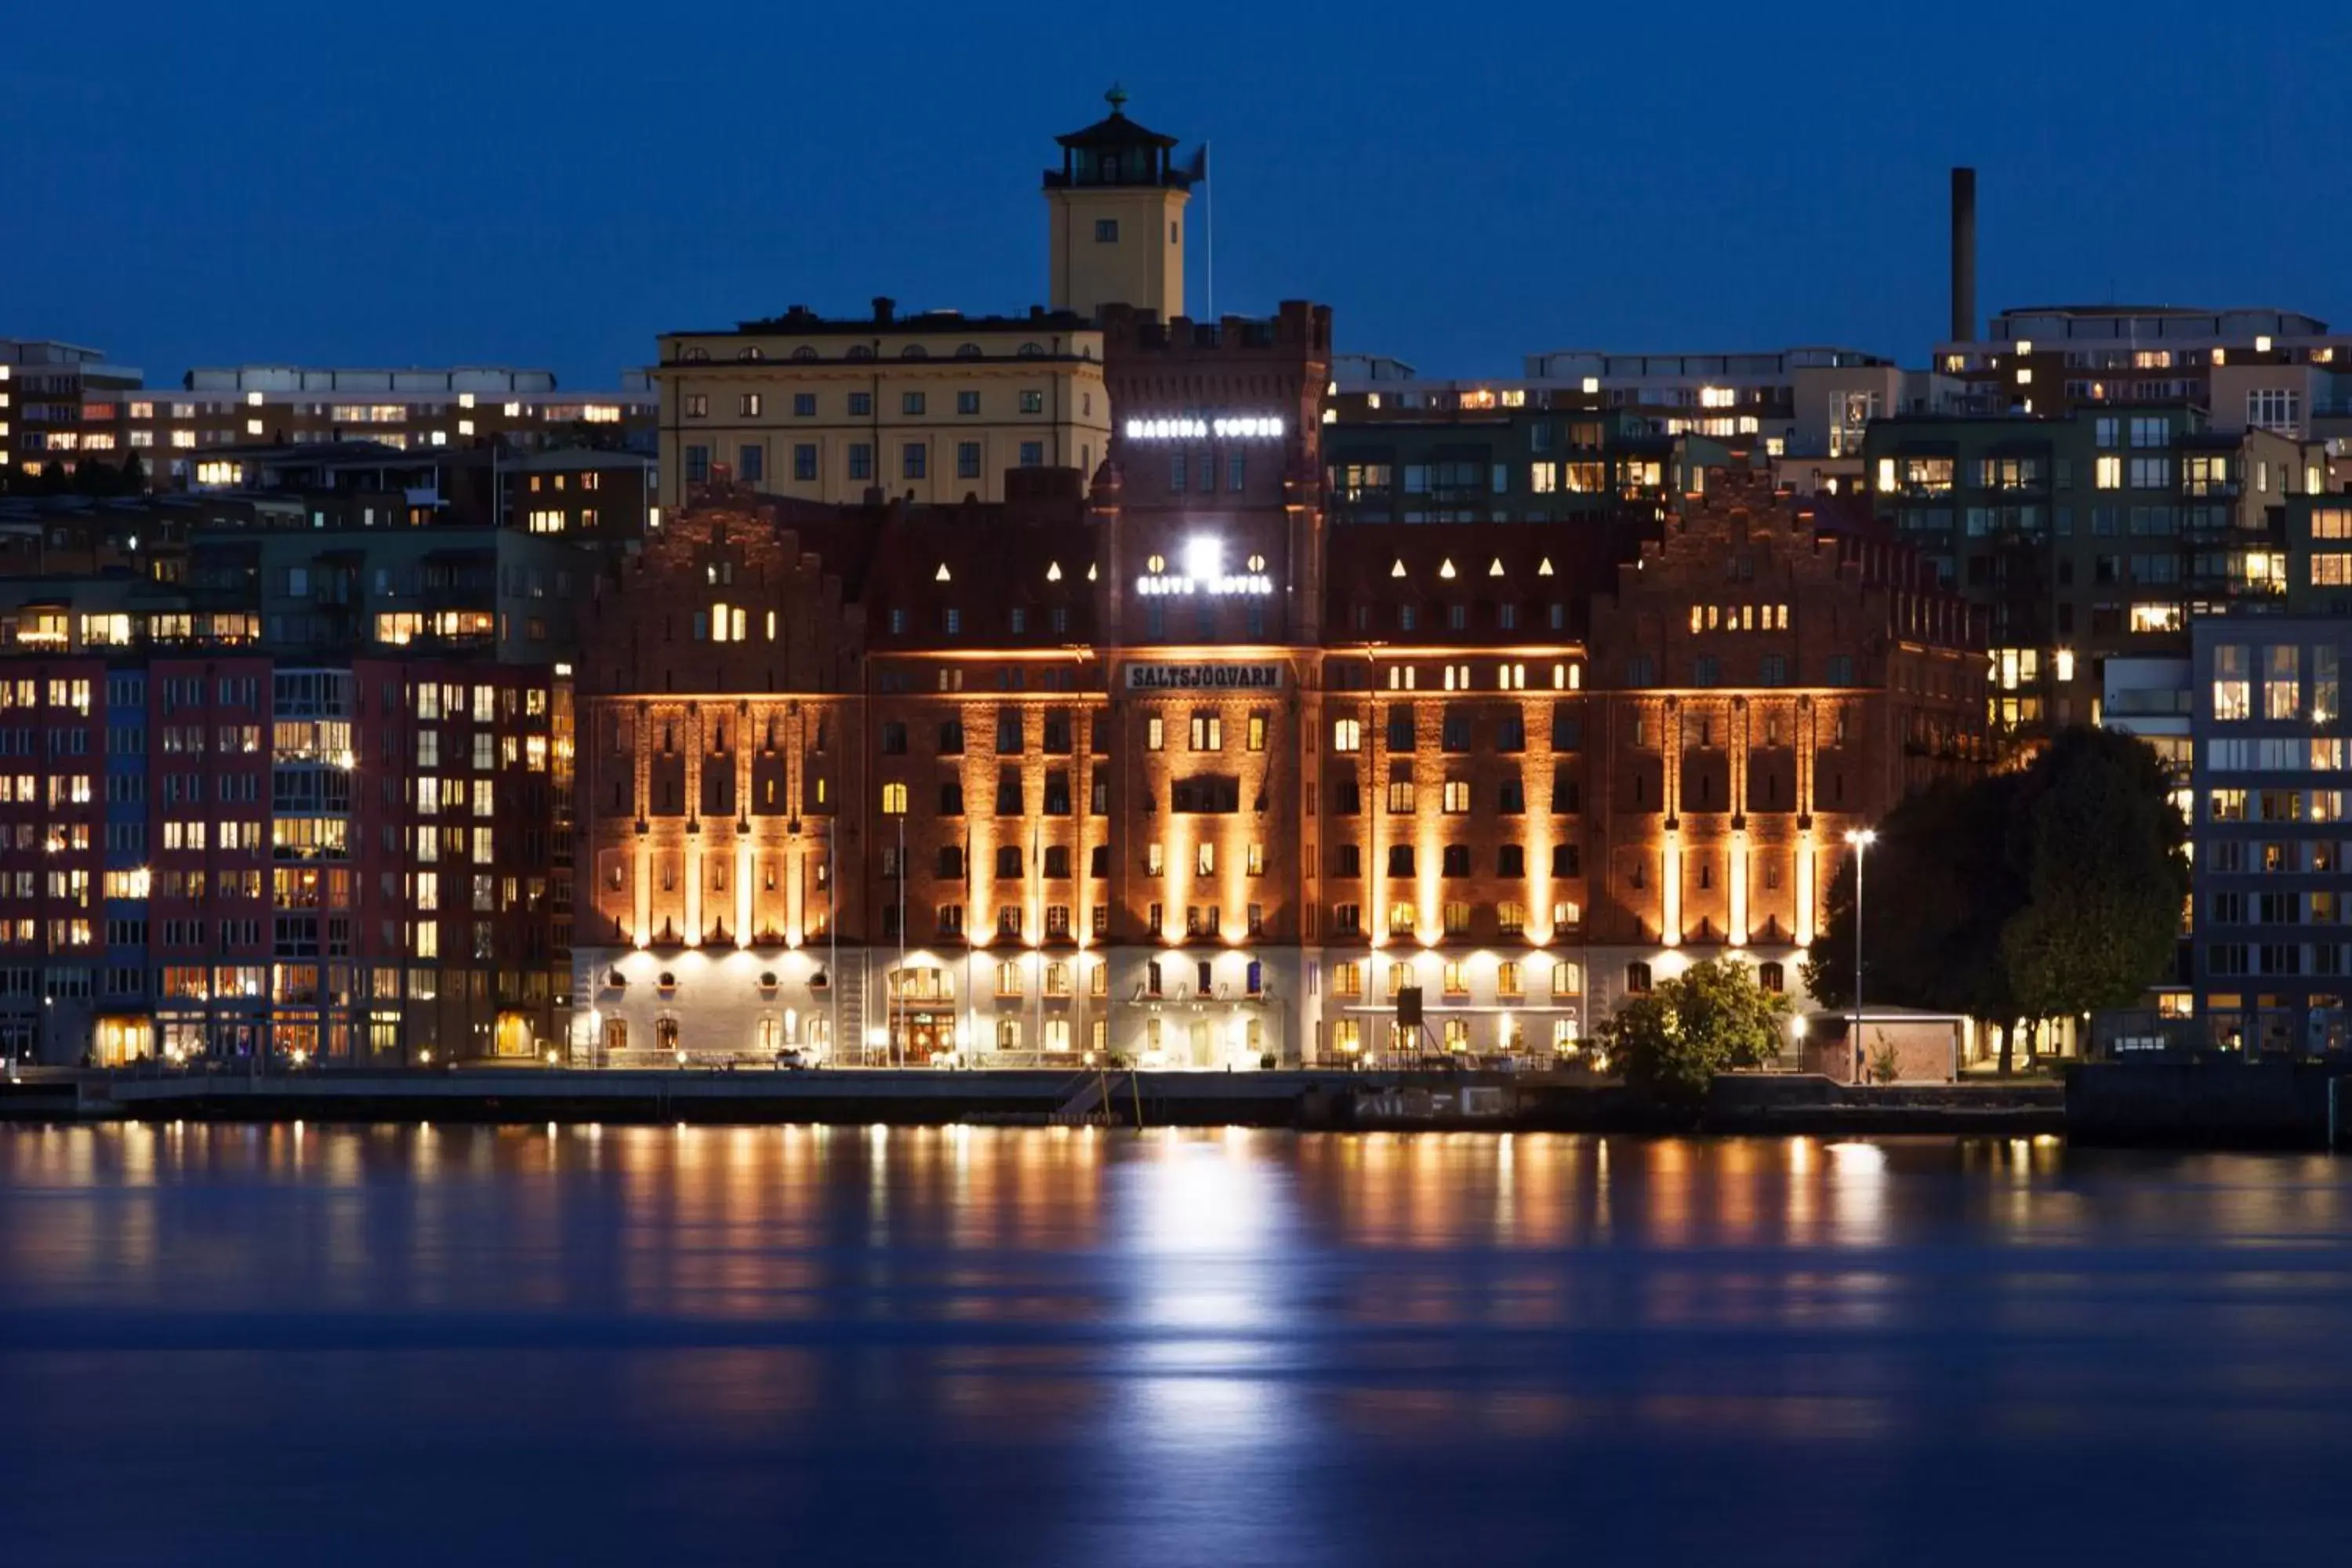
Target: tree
(2102,840)
(2036,895)
(1945,887)
(1669,1041)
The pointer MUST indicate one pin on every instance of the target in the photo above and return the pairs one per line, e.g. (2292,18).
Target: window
(910,402)
(912,458)
(2281,682)
(748,406)
(752,464)
(861,404)
(861,460)
(967,403)
(894,799)
(2275,409)
(803,405)
(1637,977)
(1033,454)
(1106,231)
(1032,402)
(804,461)
(1347,735)
(967,460)
(698,406)
(698,465)
(2233,688)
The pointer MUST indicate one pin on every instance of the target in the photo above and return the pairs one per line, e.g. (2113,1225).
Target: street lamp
(1861,839)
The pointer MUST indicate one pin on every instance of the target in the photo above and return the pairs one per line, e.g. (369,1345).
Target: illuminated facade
(2267,835)
(259,809)
(2099,535)
(1168,771)
(70,407)
(1045,752)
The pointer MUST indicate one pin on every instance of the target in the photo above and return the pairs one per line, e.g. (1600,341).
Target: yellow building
(936,405)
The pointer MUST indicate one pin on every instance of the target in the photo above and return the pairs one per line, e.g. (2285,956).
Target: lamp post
(1861,839)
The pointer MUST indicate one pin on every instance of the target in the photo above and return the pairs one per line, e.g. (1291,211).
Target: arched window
(1033,350)
(914,351)
(967,351)
(695,356)
(861,351)
(805,353)
(754,354)
(1637,977)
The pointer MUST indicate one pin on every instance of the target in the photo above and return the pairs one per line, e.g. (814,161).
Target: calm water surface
(670,1346)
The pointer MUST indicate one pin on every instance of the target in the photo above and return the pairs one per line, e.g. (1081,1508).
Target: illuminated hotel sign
(1203,571)
(1223,427)
(1204,678)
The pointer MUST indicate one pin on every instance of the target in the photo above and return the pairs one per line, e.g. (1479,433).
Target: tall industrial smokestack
(1964,256)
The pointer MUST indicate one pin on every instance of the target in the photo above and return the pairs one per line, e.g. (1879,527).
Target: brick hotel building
(1157,763)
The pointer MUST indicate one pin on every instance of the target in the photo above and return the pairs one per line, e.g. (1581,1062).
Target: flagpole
(1037,933)
(971,986)
(1209,212)
(833,935)
(902,935)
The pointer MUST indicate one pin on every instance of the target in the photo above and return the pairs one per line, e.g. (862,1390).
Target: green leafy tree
(2102,841)
(1939,887)
(1669,1041)
(2034,895)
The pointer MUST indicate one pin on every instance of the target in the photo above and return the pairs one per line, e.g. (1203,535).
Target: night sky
(519,182)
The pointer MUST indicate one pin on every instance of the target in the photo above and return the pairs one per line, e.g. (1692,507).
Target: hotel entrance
(922,1018)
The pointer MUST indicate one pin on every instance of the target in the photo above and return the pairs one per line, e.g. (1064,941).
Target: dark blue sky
(513,182)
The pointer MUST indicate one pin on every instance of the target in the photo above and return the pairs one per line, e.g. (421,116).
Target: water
(354,1346)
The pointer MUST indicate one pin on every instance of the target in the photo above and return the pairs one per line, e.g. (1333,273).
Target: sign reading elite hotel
(1204,678)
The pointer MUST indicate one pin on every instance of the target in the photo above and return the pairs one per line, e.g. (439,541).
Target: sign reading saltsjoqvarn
(1204,678)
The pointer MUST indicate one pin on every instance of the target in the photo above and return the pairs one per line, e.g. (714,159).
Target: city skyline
(437,255)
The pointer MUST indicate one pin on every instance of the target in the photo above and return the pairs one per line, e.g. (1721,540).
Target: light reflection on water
(1066,1345)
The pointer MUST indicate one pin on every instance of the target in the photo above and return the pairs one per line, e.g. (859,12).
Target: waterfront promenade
(1309,1100)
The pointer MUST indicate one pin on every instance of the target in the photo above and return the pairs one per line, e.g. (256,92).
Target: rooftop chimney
(1964,256)
(884,307)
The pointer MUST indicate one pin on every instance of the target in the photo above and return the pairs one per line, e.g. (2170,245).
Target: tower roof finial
(1117,98)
